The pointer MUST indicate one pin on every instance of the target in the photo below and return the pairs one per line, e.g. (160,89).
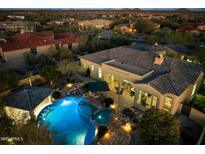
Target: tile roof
(24,41)
(20,97)
(169,47)
(45,34)
(172,76)
(65,38)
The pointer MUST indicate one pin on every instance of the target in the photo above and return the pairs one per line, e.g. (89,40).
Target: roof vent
(159,59)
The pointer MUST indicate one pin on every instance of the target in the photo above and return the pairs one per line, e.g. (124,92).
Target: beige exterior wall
(44,49)
(15,59)
(64,46)
(75,46)
(186,95)
(198,117)
(195,115)
(87,64)
(16,54)
(123,75)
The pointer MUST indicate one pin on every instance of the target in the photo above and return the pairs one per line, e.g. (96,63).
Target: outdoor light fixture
(113,106)
(69,85)
(106,136)
(127,127)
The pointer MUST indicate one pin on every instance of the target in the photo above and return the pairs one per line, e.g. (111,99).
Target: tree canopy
(144,26)
(50,73)
(22,134)
(159,127)
(8,79)
(166,35)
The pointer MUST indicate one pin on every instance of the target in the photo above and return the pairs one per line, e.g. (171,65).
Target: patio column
(119,85)
(136,96)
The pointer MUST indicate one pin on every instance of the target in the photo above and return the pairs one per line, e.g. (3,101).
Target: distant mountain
(173,9)
(137,9)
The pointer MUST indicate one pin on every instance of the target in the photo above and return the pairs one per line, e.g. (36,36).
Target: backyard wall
(43,104)
(15,59)
(26,81)
(20,83)
(195,115)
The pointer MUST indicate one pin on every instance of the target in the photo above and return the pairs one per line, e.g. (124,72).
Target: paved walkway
(122,101)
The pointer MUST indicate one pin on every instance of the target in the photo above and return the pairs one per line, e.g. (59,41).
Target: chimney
(159,59)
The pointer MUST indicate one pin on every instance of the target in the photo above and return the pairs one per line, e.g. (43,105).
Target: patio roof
(98,86)
(27,98)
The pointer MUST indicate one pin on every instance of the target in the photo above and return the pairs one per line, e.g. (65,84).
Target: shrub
(102,130)
(159,127)
(8,79)
(107,102)
(56,95)
(128,112)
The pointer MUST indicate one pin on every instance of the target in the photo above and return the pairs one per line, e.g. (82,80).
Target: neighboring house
(21,17)
(173,50)
(201,27)
(106,34)
(13,51)
(68,41)
(26,102)
(188,28)
(155,80)
(97,23)
(125,28)
(57,22)
(19,26)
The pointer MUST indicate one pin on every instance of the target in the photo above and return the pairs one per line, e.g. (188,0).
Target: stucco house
(68,41)
(125,28)
(12,51)
(19,26)
(24,102)
(154,80)
(97,23)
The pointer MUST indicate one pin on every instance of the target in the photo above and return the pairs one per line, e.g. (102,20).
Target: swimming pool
(71,119)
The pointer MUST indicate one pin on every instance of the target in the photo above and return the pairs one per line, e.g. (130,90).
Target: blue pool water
(73,120)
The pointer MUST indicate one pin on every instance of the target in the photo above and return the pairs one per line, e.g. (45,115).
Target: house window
(139,97)
(193,90)
(168,104)
(92,67)
(147,100)
(57,46)
(100,72)
(2,60)
(154,101)
(34,51)
(69,46)
(84,65)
